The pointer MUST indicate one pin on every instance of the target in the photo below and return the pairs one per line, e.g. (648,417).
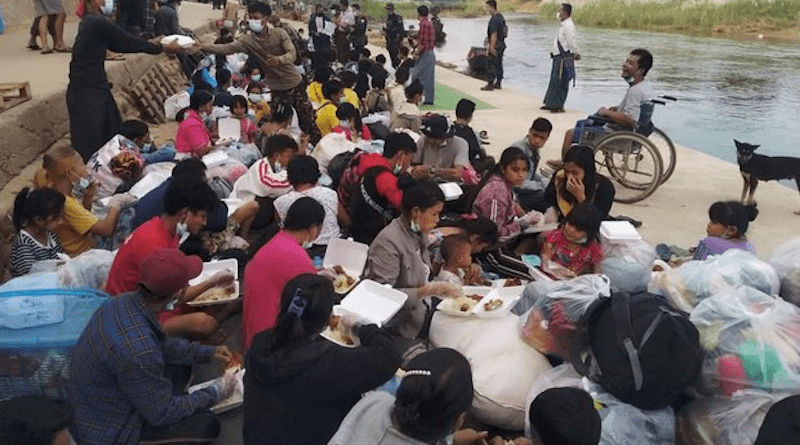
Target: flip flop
(63,49)
(34,47)
(47,51)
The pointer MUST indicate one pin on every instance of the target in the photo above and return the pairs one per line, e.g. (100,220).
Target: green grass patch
(447,98)
(682,14)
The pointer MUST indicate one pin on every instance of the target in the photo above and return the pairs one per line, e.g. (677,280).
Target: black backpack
(641,350)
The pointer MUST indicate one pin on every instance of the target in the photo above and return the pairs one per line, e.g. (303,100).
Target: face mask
(148,147)
(204,115)
(277,168)
(415,227)
(108,7)
(344,124)
(255,98)
(79,187)
(172,303)
(255,77)
(558,16)
(630,80)
(582,240)
(342,100)
(397,169)
(450,439)
(182,231)
(255,25)
(307,244)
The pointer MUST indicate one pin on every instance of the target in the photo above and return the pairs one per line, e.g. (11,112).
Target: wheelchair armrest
(596,118)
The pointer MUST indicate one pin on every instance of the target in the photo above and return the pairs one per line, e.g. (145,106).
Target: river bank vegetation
(770,18)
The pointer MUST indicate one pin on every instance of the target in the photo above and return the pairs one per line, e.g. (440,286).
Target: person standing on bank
(395,32)
(564,55)
(496,35)
(425,65)
(93,114)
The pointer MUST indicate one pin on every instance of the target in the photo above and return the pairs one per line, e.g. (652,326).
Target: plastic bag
(556,309)
(89,269)
(752,341)
(786,261)
(329,146)
(724,421)
(626,424)
(562,376)
(629,265)
(693,281)
(245,153)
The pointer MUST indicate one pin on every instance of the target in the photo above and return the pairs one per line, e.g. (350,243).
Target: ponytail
(306,305)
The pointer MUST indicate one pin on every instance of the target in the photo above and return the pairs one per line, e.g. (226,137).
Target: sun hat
(437,126)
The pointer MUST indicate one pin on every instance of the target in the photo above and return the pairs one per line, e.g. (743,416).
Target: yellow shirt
(74,230)
(326,118)
(315,93)
(352,97)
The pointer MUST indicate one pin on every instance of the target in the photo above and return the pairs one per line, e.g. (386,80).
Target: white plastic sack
(329,146)
(175,103)
(693,281)
(503,366)
(725,421)
(625,424)
(89,269)
(786,261)
(629,265)
(752,341)
(562,376)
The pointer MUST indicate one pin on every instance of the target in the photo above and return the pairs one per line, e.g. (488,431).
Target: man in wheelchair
(622,117)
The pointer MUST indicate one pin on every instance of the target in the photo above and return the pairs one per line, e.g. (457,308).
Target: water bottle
(318,262)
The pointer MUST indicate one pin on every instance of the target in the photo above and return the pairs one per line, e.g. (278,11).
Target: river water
(727,89)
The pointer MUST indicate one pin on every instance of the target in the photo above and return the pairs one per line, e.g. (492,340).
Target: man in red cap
(118,386)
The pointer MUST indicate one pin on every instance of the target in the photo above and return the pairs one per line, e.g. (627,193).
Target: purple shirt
(717,246)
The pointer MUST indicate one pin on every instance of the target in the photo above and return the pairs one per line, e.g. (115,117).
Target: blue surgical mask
(108,7)
(255,25)
(307,244)
(182,231)
(342,100)
(398,168)
(582,240)
(415,227)
(255,98)
(79,187)
(630,80)
(344,123)
(277,168)
(255,77)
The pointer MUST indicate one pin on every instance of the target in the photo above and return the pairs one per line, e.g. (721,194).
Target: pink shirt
(192,133)
(265,276)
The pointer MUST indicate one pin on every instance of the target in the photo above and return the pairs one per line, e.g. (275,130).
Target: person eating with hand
(441,155)
(127,376)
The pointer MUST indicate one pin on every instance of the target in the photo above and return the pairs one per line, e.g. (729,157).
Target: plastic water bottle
(318,262)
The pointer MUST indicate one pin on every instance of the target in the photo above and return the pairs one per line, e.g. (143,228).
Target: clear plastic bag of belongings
(245,153)
(562,376)
(640,349)
(175,103)
(718,420)
(624,424)
(229,169)
(329,146)
(114,163)
(89,269)
(503,366)
(693,281)
(557,308)
(786,261)
(752,341)
(222,187)
(629,265)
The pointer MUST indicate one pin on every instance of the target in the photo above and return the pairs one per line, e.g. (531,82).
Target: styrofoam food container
(235,401)
(451,190)
(183,41)
(446,306)
(618,232)
(229,129)
(352,256)
(328,334)
(212,267)
(374,302)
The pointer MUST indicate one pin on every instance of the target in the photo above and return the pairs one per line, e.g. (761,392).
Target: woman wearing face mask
(350,124)
(93,113)
(578,182)
(299,386)
(64,171)
(285,248)
(193,137)
(429,408)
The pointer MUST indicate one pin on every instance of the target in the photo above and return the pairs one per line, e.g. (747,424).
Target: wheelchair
(637,161)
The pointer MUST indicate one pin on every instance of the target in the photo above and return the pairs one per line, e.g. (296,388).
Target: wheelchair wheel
(666,149)
(631,162)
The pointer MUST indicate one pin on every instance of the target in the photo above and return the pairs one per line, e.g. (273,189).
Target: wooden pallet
(150,92)
(12,94)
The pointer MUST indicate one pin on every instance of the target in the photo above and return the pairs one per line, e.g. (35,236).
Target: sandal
(62,49)
(47,51)
(34,46)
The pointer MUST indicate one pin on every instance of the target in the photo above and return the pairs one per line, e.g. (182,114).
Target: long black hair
(436,389)
(510,155)
(583,157)
(306,304)
(586,218)
(42,203)
(305,213)
(733,213)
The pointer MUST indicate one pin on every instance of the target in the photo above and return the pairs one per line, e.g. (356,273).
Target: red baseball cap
(165,272)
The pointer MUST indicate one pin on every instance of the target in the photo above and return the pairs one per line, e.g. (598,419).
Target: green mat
(447,98)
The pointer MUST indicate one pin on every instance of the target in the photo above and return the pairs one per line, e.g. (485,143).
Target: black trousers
(394,50)
(495,68)
(93,118)
(532,200)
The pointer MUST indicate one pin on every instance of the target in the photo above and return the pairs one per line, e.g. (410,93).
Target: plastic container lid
(183,41)
(619,231)
(352,256)
(451,190)
(212,267)
(229,129)
(374,302)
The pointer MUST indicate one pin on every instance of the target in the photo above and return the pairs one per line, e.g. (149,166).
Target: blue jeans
(163,154)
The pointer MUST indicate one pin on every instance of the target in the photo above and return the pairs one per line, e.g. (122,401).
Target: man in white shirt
(564,55)
(626,114)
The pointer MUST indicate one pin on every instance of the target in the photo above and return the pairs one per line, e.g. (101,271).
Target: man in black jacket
(395,32)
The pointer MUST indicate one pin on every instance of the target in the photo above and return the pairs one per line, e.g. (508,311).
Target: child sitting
(36,214)
(321,76)
(457,254)
(247,126)
(350,124)
(728,221)
(574,246)
(256,101)
(139,133)
(564,416)
(377,98)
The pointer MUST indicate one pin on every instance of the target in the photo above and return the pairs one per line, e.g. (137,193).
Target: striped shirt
(26,250)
